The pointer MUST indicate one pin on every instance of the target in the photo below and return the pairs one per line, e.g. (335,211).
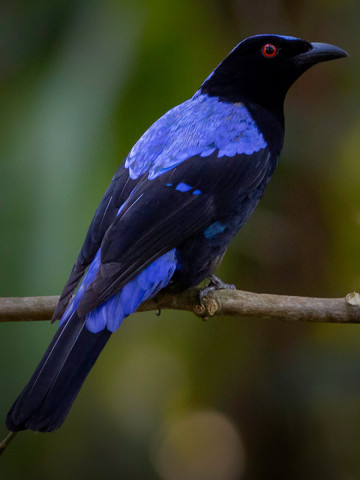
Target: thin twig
(220,302)
(6,441)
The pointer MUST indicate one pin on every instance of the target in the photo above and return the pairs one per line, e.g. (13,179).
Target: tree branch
(220,302)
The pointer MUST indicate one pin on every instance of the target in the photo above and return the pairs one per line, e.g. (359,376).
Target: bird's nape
(261,69)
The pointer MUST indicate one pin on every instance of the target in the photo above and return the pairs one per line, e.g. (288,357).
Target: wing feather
(116,194)
(158,217)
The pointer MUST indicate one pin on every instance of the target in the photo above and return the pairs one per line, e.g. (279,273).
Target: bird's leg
(215,284)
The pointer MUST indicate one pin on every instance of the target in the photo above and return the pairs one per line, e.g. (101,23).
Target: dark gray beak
(320,52)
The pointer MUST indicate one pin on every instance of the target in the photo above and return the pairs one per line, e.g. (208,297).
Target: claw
(215,284)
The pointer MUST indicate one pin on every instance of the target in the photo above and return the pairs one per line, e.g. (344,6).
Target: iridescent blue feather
(145,285)
(198,126)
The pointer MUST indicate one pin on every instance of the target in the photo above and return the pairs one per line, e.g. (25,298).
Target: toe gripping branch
(215,284)
(209,306)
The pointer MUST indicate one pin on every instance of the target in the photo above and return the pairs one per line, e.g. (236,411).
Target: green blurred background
(172,397)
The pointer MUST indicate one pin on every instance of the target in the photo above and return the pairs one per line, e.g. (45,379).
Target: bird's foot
(215,284)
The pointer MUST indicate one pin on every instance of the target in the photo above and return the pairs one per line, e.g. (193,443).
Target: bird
(182,193)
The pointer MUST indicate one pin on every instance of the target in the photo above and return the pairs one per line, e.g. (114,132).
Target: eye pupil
(269,50)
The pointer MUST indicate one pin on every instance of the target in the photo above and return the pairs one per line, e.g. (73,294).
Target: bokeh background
(172,397)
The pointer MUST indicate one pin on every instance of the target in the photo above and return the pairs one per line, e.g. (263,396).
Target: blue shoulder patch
(214,229)
(198,126)
(183,187)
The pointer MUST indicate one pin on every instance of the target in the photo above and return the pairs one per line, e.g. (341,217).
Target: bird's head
(261,69)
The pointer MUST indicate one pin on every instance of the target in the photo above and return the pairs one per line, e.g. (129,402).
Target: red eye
(269,50)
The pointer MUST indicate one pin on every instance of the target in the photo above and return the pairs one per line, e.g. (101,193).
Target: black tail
(46,400)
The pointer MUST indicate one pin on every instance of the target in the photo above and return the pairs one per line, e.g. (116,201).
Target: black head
(261,69)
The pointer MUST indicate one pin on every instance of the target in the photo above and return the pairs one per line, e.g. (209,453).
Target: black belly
(199,256)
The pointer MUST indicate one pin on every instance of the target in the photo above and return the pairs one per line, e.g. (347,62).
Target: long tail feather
(47,398)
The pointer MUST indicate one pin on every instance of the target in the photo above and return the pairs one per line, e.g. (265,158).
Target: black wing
(158,217)
(116,194)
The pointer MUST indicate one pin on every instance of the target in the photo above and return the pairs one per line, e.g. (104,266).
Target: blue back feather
(198,126)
